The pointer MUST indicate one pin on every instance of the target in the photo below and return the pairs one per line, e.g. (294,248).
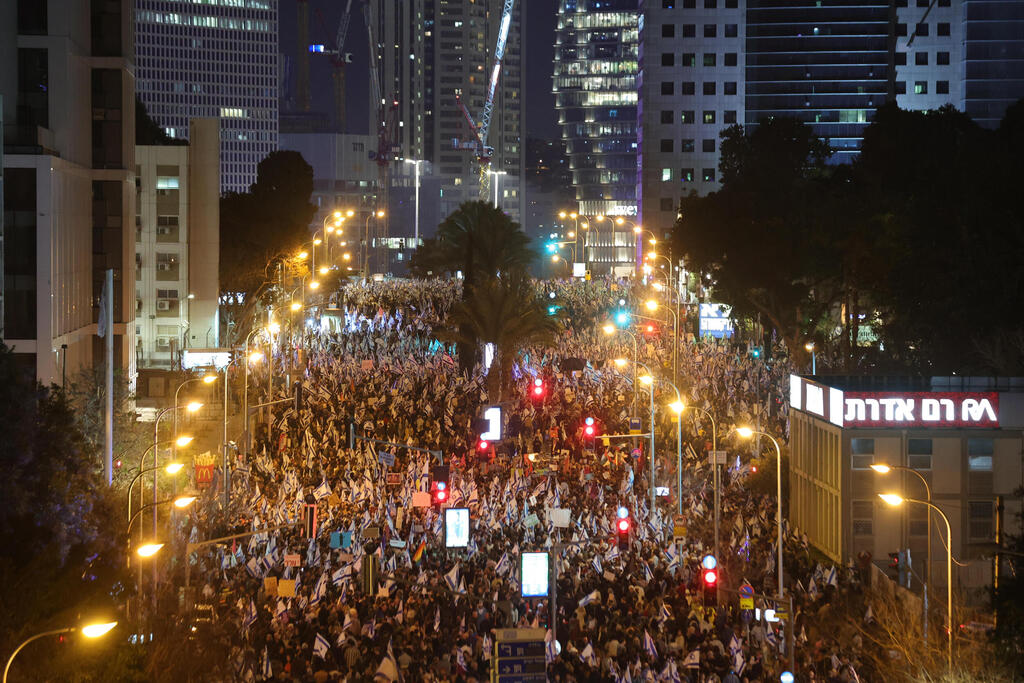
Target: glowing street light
(193,406)
(209,379)
(173,468)
(183,440)
(296,306)
(184,501)
(314,284)
(148,549)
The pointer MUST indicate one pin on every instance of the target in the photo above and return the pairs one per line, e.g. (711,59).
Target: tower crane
(479,145)
(339,58)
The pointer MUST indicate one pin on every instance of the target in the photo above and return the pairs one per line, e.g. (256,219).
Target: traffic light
(622,318)
(622,527)
(309,520)
(894,566)
(589,428)
(538,389)
(440,492)
(755,352)
(298,397)
(709,578)
(552,247)
(553,309)
(650,328)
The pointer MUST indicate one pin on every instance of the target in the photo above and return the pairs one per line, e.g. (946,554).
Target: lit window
(666,174)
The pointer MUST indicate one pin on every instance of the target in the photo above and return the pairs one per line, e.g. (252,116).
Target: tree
(942,197)
(59,549)
(477,239)
(507,312)
(148,132)
(765,237)
(272,217)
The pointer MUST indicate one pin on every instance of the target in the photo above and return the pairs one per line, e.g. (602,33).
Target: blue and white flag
(738,663)
(587,599)
(322,491)
(664,614)
(669,672)
(348,621)
(250,615)
(321,647)
(830,577)
(648,574)
(649,648)
(550,647)
(451,579)
(692,660)
(735,644)
(280,608)
(596,562)
(319,590)
(588,656)
(388,669)
(503,565)
(266,671)
(341,574)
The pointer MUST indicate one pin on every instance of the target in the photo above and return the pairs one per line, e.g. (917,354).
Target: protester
(374,371)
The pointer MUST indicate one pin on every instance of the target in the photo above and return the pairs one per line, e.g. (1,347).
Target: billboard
(921,409)
(456,527)
(715,321)
(534,574)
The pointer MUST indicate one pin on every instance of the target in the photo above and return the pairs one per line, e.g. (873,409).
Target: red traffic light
(623,526)
(538,388)
(483,445)
(589,430)
(710,577)
(441,495)
(650,328)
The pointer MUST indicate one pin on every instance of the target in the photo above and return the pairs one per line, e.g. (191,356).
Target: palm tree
(477,239)
(506,312)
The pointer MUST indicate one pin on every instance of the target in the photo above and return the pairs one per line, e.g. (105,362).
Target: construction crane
(339,58)
(480,130)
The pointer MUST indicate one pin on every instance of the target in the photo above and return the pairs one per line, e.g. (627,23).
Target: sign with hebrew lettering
(921,409)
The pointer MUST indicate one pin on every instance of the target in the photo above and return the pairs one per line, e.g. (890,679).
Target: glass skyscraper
(595,86)
(219,59)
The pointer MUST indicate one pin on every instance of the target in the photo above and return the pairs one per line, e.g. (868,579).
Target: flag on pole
(503,565)
(649,647)
(451,579)
(320,646)
(388,669)
(587,599)
(418,555)
(266,670)
(692,660)
(250,615)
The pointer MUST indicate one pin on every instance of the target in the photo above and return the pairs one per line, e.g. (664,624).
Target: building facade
(433,54)
(993,58)
(68,89)
(216,58)
(177,245)
(961,434)
(595,86)
(691,87)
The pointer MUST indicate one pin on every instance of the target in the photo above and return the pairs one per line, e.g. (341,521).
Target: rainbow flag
(418,555)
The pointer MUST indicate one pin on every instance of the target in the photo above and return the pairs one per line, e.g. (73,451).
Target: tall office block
(928,54)
(431,54)
(66,79)
(691,87)
(993,59)
(177,243)
(595,85)
(217,58)
(824,62)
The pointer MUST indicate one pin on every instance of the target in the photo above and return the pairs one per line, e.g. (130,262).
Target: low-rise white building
(177,246)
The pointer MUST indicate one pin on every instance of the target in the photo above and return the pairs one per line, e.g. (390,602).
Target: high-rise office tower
(691,86)
(216,58)
(68,92)
(595,85)
(993,58)
(928,54)
(431,55)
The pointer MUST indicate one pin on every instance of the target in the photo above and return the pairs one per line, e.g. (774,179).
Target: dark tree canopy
(148,132)
(272,217)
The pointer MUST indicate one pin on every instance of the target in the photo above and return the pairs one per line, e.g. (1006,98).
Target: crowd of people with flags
(381,397)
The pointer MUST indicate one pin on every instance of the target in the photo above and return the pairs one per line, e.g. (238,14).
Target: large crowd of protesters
(373,375)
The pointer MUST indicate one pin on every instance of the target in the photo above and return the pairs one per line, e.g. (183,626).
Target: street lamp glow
(149,549)
(317,241)
(570,234)
(184,501)
(296,306)
(881,469)
(809,346)
(651,305)
(608,328)
(193,406)
(585,225)
(337,214)
(314,284)
(646,380)
(891,498)
(658,286)
(637,229)
(330,229)
(274,327)
(350,213)
(554,259)
(380,214)
(346,256)
(745,432)
(562,214)
(677,406)
(620,220)
(173,468)
(183,441)
(255,356)
(97,630)
(324,270)
(303,254)
(621,362)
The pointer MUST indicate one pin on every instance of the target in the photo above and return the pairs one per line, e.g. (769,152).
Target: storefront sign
(921,409)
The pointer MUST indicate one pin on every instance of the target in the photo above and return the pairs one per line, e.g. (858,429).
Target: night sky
(541,119)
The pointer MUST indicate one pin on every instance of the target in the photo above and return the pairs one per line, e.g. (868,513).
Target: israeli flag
(649,648)
(665,614)
(588,655)
(550,647)
(320,589)
(692,660)
(648,574)
(322,491)
(267,672)
(250,615)
(451,579)
(281,608)
(612,553)
(735,644)
(503,565)
(340,575)
(738,663)
(587,599)
(348,622)
(596,562)
(830,577)
(321,647)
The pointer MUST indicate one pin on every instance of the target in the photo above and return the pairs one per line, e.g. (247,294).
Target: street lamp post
(715,477)
(746,433)
(610,329)
(650,385)
(652,306)
(90,631)
(180,441)
(894,500)
(252,357)
(885,469)
(366,240)
(205,379)
(814,361)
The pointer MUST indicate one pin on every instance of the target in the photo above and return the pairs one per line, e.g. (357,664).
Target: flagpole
(108,408)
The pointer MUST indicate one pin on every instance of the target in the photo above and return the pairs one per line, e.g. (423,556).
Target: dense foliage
(922,236)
